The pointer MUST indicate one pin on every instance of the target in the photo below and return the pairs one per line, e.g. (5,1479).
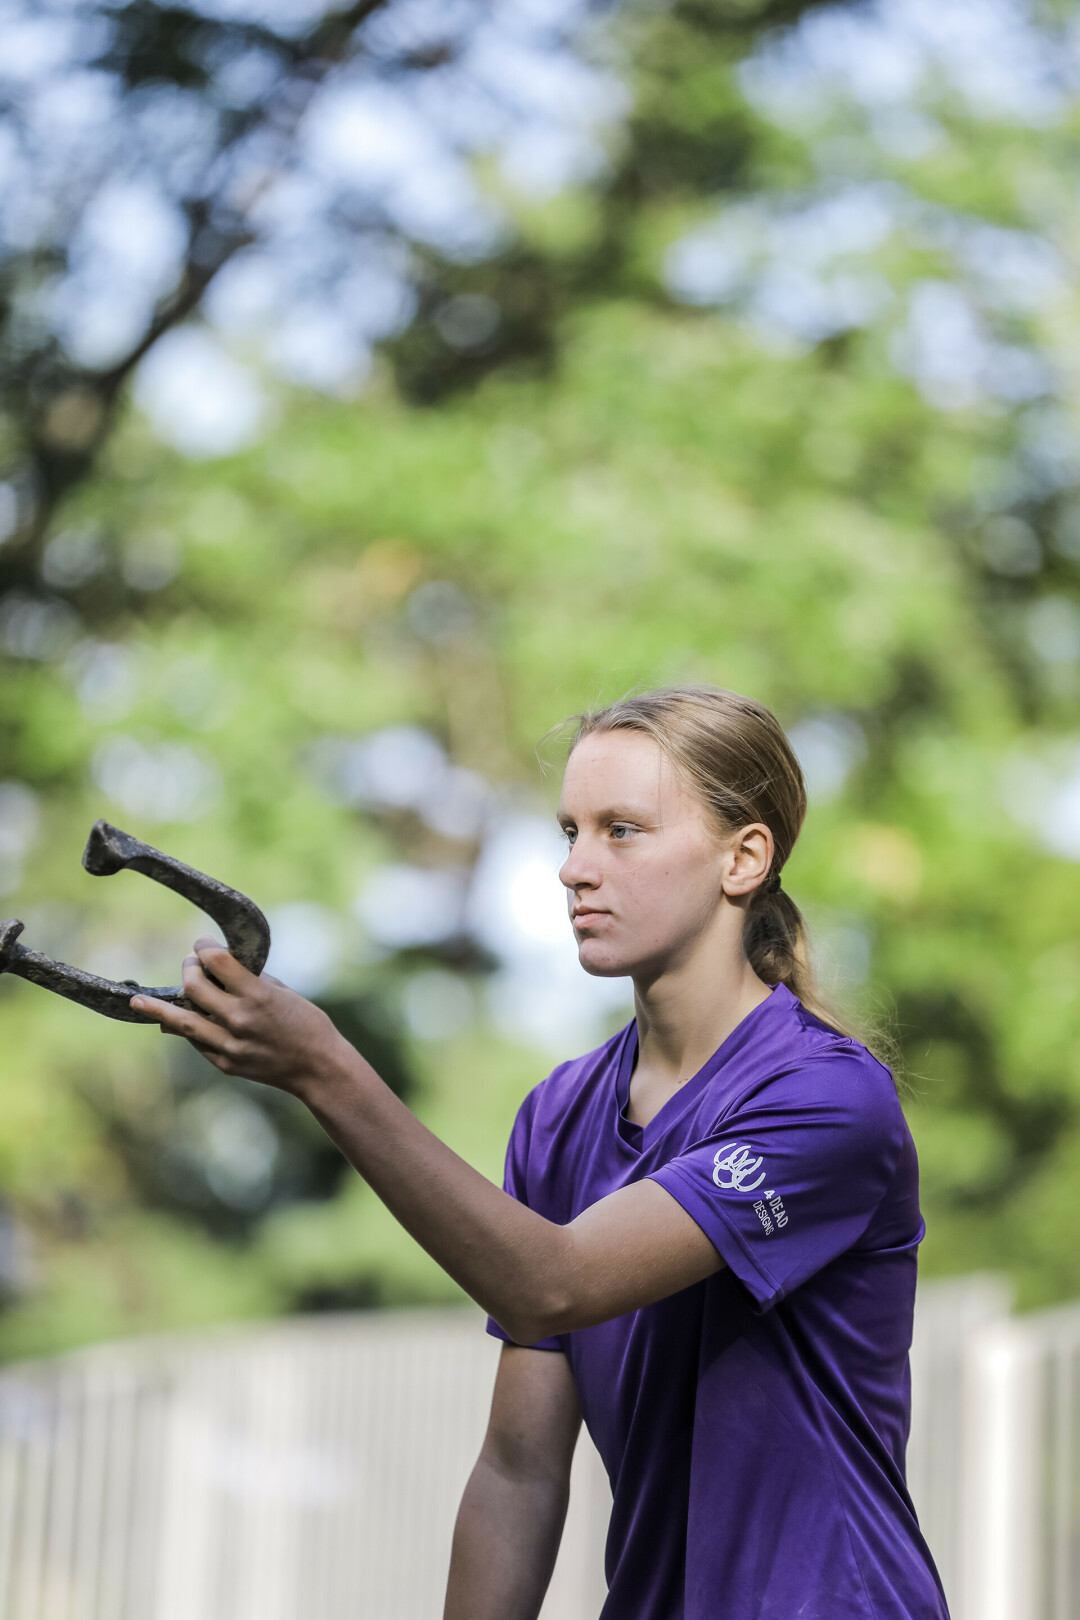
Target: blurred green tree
(782,397)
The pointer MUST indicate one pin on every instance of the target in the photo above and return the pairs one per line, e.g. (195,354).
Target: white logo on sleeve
(733,1166)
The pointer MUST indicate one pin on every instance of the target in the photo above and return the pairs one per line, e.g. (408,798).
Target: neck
(689,1009)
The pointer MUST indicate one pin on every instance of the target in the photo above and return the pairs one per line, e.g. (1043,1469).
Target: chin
(601,964)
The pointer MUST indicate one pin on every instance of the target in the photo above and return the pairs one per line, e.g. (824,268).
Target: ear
(749,859)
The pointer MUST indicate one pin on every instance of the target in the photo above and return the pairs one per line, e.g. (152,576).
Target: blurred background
(381,385)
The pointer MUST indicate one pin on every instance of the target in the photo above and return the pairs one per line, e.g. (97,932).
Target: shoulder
(828,1079)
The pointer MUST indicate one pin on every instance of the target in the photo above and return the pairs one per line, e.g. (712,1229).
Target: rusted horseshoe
(108,850)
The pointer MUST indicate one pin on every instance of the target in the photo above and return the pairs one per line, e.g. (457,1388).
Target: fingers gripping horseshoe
(108,850)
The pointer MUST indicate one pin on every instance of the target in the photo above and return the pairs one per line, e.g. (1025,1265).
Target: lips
(581,918)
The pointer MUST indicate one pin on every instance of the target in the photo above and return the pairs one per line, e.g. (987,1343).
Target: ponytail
(777,948)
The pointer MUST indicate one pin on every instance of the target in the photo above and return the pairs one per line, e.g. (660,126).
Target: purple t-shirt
(753,1426)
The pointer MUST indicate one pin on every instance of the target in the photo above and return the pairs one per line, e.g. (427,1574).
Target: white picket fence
(306,1470)
(310,1469)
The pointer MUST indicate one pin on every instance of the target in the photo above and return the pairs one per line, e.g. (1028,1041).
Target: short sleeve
(793,1177)
(515,1182)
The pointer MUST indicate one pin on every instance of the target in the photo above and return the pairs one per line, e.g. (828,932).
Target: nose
(577,870)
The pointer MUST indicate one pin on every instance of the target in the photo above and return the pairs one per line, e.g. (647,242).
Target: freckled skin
(659,868)
(674,894)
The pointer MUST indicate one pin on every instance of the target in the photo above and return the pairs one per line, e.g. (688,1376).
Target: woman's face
(646,870)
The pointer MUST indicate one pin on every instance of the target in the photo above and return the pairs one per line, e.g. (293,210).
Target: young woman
(706,1243)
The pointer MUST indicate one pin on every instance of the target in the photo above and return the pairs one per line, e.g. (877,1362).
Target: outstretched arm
(534,1277)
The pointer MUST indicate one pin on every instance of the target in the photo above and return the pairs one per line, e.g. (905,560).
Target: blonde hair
(734,755)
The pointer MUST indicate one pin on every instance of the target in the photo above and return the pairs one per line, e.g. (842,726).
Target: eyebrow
(613,813)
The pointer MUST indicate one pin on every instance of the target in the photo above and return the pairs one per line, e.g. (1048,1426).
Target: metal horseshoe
(108,850)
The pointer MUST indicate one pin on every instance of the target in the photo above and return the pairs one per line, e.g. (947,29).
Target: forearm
(505,1543)
(513,1262)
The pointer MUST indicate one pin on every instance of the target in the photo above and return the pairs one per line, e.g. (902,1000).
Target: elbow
(524,1333)
(546,1308)
(527,1322)
(549,1296)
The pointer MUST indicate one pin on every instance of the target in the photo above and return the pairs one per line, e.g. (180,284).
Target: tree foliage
(782,396)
